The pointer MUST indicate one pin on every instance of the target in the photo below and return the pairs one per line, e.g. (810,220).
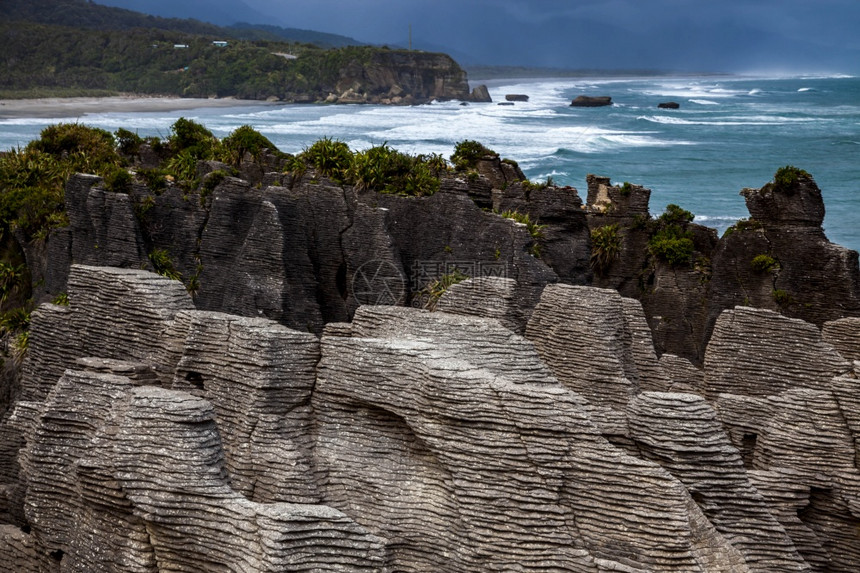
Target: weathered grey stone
(807,433)
(684,376)
(104,227)
(786,496)
(757,352)
(563,244)
(123,314)
(439,441)
(488,297)
(258,376)
(72,414)
(18,553)
(127,478)
(54,343)
(844,335)
(681,433)
(158,424)
(597,345)
(465,447)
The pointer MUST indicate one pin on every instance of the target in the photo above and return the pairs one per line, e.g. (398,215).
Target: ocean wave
(728,120)
(715,219)
(672,120)
(689,91)
(704,102)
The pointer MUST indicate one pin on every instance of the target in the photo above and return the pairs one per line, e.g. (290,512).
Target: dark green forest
(72,47)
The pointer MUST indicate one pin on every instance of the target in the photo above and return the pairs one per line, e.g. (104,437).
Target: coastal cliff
(368,361)
(397,77)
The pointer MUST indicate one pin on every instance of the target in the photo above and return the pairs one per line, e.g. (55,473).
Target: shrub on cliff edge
(787,177)
(245,139)
(32,180)
(673,242)
(468,152)
(605,247)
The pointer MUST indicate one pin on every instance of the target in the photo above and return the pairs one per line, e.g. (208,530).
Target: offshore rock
(480,94)
(591,101)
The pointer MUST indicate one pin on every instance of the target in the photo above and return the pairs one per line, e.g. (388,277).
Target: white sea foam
(693,90)
(704,102)
(728,120)
(715,219)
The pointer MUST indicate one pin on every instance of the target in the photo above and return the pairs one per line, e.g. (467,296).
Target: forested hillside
(73,47)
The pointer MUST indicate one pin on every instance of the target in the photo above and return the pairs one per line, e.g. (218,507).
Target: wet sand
(82,106)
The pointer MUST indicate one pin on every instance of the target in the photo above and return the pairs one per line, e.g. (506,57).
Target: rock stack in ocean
(407,440)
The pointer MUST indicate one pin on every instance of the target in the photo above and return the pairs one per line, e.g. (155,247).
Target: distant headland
(99,51)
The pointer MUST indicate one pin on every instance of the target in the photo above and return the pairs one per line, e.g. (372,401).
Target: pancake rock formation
(496,377)
(152,436)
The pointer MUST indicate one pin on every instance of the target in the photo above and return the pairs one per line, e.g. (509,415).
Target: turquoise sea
(730,132)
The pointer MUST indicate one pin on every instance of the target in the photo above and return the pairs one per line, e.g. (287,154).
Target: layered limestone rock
(597,344)
(180,439)
(490,297)
(258,376)
(134,459)
(684,376)
(472,456)
(844,335)
(109,450)
(781,393)
(681,432)
(781,260)
(563,235)
(757,352)
(671,293)
(434,435)
(309,253)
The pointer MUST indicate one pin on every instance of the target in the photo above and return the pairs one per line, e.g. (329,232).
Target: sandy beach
(82,106)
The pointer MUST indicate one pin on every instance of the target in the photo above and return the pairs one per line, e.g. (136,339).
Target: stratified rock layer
(175,439)
(473,457)
(757,352)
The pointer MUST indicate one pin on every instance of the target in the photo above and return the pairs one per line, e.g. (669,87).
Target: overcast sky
(683,35)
